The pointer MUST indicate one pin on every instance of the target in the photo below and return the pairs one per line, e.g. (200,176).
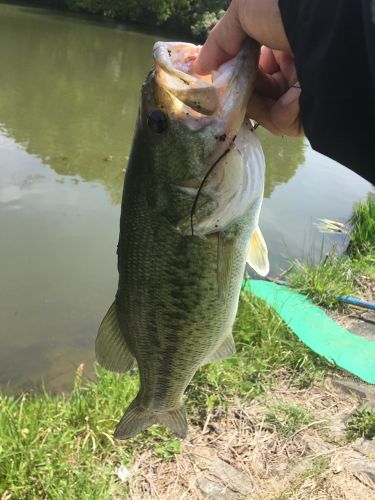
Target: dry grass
(240,454)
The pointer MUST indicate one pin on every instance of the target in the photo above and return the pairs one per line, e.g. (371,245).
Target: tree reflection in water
(69,94)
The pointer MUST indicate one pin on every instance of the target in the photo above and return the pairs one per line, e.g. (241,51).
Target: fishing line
(200,189)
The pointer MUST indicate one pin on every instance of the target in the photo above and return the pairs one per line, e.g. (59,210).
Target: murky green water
(68,102)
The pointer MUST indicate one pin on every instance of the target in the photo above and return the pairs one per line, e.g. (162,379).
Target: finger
(223,43)
(281,116)
(274,85)
(267,60)
(259,109)
(287,66)
(285,114)
(267,85)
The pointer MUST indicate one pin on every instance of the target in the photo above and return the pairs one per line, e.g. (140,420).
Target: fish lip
(198,100)
(163,51)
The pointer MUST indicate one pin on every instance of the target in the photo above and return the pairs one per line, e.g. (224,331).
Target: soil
(241,454)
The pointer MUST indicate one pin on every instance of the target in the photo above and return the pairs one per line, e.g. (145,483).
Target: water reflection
(69,94)
(68,103)
(283,157)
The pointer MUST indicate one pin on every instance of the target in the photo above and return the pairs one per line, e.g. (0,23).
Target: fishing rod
(343,298)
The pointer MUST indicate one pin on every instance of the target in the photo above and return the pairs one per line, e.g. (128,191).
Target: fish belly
(170,309)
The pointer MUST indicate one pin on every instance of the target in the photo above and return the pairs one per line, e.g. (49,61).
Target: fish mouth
(199,99)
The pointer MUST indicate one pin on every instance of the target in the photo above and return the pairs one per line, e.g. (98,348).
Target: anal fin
(225,350)
(111,349)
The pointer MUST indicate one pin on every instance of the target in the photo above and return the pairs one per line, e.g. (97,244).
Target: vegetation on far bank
(193,17)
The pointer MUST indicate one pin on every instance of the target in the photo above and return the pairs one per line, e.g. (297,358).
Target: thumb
(223,43)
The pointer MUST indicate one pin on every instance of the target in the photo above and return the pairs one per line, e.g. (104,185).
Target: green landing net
(317,330)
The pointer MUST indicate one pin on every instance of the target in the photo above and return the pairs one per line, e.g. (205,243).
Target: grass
(54,446)
(362,235)
(288,419)
(325,281)
(362,424)
(62,445)
(362,240)
(312,474)
(349,274)
(364,266)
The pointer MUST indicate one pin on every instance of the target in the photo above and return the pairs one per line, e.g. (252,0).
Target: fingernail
(296,85)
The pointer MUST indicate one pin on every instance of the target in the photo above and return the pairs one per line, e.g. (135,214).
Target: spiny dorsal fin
(136,419)
(257,256)
(111,350)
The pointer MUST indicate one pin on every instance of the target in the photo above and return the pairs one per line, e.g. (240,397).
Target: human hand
(275,100)
(274,103)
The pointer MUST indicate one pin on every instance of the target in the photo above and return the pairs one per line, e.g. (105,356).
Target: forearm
(334,47)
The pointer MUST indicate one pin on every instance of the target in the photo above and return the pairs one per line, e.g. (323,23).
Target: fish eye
(157,121)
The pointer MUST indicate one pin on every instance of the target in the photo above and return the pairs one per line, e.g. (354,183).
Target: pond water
(69,91)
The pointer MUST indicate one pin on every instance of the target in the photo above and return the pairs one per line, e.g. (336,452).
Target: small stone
(122,473)
(337,469)
(216,428)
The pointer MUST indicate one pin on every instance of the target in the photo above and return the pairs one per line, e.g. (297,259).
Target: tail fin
(137,419)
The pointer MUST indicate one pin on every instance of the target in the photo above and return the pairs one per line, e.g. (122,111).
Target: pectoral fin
(225,252)
(257,256)
(111,350)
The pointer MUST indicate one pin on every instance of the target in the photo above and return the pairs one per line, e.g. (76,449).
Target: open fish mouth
(195,97)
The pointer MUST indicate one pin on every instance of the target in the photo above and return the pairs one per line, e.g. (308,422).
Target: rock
(234,478)
(220,480)
(363,391)
(365,446)
(215,491)
(337,425)
(365,327)
(368,404)
(364,467)
(315,445)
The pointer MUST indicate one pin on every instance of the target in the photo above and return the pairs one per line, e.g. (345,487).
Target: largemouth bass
(189,222)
